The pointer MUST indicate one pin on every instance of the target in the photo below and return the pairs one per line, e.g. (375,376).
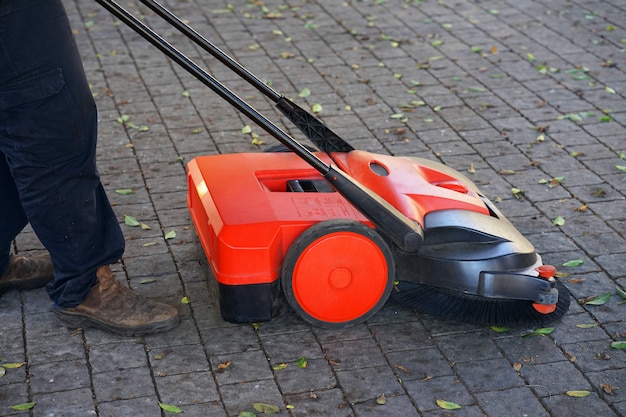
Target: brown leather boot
(115,308)
(27,272)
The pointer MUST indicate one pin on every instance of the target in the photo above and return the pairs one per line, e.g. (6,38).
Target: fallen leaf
(316,108)
(279,367)
(586,325)
(302,362)
(224,365)
(620,292)
(170,408)
(598,300)
(403,369)
(540,332)
(246,130)
(447,405)
(578,394)
(162,355)
(499,329)
(574,262)
(619,345)
(130,221)
(305,92)
(382,400)
(23,407)
(266,408)
(124,191)
(517,366)
(558,221)
(246,414)
(570,357)
(170,235)
(13,365)
(607,388)
(184,300)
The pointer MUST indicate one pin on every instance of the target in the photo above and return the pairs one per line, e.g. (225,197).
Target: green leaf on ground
(499,329)
(302,362)
(619,345)
(558,221)
(540,332)
(130,221)
(574,262)
(305,92)
(598,300)
(13,365)
(578,394)
(124,191)
(22,407)
(170,235)
(447,405)
(170,408)
(266,408)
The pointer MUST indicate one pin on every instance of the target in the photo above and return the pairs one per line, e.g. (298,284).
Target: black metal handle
(313,128)
(404,232)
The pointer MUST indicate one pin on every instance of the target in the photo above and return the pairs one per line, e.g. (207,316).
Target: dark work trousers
(48,174)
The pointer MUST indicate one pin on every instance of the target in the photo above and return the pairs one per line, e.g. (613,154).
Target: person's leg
(49,134)
(11,213)
(48,131)
(17,271)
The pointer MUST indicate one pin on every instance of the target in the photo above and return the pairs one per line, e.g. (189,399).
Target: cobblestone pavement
(526,94)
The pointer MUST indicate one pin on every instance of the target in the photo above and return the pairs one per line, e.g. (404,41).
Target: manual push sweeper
(338,231)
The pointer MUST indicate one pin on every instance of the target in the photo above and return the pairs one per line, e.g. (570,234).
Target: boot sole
(30,284)
(73,320)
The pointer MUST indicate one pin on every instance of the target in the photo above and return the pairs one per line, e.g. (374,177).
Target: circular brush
(475,309)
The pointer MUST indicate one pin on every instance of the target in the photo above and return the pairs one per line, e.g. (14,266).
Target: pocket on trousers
(33,89)
(42,118)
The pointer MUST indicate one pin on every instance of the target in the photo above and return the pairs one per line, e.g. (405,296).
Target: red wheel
(338,273)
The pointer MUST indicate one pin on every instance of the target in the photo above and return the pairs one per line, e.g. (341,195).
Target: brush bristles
(474,309)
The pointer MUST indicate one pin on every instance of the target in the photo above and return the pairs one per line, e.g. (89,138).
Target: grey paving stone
(593,356)
(130,407)
(56,377)
(468,347)
(488,375)
(192,388)
(77,402)
(322,403)
(240,367)
(425,392)
(554,378)
(419,364)
(363,384)
(240,397)
(353,354)
(512,402)
(123,384)
(394,405)
(563,405)
(289,347)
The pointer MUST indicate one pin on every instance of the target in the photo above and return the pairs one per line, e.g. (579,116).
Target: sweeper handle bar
(404,232)
(322,136)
